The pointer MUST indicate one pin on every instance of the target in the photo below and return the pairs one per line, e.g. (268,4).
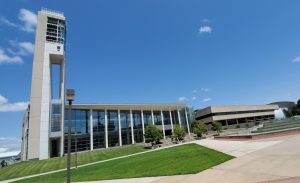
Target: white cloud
(3,100)
(297,59)
(29,20)
(182,99)
(195,91)
(2,150)
(4,58)
(3,20)
(205,29)
(194,98)
(205,89)
(27,46)
(5,106)
(23,48)
(206,100)
(9,146)
(205,20)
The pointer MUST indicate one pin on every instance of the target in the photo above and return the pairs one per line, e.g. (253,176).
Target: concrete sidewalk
(278,161)
(236,148)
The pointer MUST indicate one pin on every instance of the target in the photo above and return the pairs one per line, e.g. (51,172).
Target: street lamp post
(70,98)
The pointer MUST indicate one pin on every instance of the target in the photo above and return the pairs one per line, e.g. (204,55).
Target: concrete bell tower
(46,116)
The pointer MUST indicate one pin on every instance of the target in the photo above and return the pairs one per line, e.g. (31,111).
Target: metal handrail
(53,12)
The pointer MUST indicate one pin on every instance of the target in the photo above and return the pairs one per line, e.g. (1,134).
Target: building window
(167,123)
(147,118)
(56,30)
(113,128)
(137,126)
(80,131)
(56,117)
(126,127)
(98,129)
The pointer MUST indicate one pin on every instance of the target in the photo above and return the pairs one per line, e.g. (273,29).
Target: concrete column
(91,130)
(62,97)
(131,122)
(237,122)
(179,119)
(187,121)
(106,132)
(171,120)
(162,123)
(226,122)
(152,116)
(143,124)
(119,120)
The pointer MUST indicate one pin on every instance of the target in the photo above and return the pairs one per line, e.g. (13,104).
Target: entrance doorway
(55,145)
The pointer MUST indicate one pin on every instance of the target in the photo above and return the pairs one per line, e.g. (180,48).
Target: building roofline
(52,12)
(129,104)
(237,105)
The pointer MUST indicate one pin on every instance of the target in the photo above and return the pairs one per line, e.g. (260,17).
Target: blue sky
(199,52)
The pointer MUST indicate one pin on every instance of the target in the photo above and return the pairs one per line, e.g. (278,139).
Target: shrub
(152,134)
(217,126)
(178,133)
(199,128)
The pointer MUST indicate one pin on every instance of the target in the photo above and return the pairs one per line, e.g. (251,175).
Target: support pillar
(179,119)
(187,121)
(131,122)
(91,130)
(106,132)
(162,123)
(152,116)
(143,124)
(171,120)
(119,121)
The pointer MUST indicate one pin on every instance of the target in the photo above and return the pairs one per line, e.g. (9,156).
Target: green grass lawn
(184,159)
(34,167)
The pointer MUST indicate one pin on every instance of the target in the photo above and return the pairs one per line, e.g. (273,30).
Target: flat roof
(172,106)
(215,109)
(54,13)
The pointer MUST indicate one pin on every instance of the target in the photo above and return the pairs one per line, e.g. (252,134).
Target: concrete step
(274,128)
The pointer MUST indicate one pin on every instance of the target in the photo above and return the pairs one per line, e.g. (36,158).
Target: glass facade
(147,118)
(55,117)
(98,129)
(126,127)
(80,130)
(183,120)
(137,126)
(81,134)
(167,123)
(56,30)
(157,118)
(175,118)
(112,128)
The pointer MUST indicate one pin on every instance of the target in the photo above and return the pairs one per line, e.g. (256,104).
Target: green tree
(217,126)
(287,113)
(178,133)
(198,128)
(298,103)
(3,163)
(152,134)
(194,123)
